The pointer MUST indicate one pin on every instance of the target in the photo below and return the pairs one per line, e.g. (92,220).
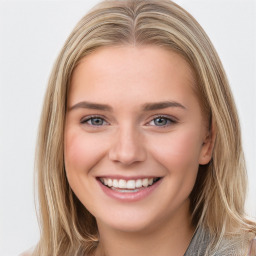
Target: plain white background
(31,35)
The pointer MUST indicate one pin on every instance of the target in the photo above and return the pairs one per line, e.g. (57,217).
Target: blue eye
(94,121)
(161,121)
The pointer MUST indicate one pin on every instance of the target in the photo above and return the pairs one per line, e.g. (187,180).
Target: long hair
(217,200)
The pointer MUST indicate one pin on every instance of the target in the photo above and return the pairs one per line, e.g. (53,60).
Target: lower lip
(129,196)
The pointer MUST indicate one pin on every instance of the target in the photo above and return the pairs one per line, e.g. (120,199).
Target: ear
(208,145)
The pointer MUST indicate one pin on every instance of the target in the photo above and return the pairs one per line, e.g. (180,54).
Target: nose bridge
(127,146)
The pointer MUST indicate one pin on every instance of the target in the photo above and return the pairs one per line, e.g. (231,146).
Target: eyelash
(90,118)
(169,120)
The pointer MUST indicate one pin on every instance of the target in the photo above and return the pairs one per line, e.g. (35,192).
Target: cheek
(178,153)
(180,150)
(186,147)
(75,151)
(82,151)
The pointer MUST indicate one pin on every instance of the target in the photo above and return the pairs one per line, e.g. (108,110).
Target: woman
(139,149)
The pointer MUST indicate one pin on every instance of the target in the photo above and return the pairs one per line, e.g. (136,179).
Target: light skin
(133,112)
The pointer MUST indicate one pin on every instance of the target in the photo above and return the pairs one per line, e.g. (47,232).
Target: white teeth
(115,183)
(110,182)
(122,184)
(145,182)
(128,184)
(138,183)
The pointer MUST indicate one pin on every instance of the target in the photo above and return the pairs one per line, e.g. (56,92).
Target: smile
(128,186)
(129,190)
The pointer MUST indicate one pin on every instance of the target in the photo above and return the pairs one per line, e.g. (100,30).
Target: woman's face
(133,118)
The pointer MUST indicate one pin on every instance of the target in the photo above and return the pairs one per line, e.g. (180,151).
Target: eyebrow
(145,107)
(91,105)
(161,105)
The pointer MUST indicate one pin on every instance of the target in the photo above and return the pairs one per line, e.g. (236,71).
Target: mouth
(129,185)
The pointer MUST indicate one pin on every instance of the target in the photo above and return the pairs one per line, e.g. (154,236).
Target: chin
(135,227)
(133,222)
(129,221)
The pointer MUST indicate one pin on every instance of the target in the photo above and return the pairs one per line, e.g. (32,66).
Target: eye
(162,121)
(94,121)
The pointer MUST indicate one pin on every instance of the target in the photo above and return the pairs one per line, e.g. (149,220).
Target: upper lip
(121,177)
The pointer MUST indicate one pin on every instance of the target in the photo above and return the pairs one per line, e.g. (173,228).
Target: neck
(169,238)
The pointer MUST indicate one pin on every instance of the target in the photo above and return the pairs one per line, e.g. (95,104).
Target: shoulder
(240,245)
(252,250)
(27,253)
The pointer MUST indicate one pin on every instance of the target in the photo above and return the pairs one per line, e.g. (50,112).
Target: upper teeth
(128,184)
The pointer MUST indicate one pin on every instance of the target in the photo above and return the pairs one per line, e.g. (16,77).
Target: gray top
(194,248)
(202,239)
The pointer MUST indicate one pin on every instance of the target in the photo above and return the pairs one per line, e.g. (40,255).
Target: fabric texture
(228,247)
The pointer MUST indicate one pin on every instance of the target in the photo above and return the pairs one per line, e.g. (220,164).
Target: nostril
(127,153)
(128,146)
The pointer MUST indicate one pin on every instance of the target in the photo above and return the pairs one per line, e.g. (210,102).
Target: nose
(127,147)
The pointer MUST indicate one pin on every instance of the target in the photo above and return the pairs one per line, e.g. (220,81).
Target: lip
(129,196)
(119,177)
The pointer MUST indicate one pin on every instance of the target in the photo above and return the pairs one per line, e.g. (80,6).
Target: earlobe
(208,146)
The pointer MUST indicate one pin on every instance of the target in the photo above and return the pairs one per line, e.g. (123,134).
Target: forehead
(128,72)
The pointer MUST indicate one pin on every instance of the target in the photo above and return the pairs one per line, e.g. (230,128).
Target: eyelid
(84,120)
(172,119)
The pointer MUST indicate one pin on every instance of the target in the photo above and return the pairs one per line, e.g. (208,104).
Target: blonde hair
(217,200)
